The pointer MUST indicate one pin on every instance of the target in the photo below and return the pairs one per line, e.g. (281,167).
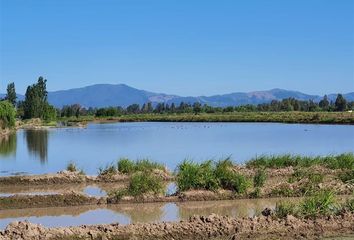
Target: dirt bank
(197,227)
(57,200)
(68,177)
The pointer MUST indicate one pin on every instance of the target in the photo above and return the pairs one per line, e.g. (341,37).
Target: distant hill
(104,95)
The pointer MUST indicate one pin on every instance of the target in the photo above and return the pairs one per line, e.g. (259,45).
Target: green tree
(36,104)
(7,115)
(11,94)
(197,107)
(341,103)
(324,103)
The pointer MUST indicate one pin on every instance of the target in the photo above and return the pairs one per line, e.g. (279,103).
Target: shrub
(283,209)
(7,115)
(321,203)
(259,178)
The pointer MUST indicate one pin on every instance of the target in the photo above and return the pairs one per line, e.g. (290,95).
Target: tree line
(288,104)
(36,105)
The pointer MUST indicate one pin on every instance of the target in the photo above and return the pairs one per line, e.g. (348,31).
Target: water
(135,213)
(43,151)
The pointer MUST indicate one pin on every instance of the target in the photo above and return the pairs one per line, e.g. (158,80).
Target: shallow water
(135,213)
(44,151)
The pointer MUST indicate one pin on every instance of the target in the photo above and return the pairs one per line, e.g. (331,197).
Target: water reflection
(136,213)
(8,145)
(37,143)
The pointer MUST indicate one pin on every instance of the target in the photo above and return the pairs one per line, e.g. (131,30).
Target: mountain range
(104,95)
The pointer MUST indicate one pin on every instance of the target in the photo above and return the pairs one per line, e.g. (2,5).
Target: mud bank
(78,199)
(57,200)
(197,227)
(68,177)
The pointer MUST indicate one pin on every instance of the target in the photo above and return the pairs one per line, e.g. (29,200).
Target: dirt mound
(197,227)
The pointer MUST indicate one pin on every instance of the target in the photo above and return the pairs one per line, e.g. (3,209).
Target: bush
(319,204)
(7,115)
(259,178)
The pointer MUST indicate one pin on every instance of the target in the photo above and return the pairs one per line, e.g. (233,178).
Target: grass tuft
(342,161)
(322,203)
(210,176)
(128,166)
(259,178)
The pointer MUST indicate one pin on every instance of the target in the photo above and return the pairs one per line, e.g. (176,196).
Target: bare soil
(197,227)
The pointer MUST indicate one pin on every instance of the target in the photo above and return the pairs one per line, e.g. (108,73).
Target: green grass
(283,117)
(141,183)
(322,203)
(347,176)
(259,178)
(283,209)
(210,175)
(342,161)
(128,166)
(193,175)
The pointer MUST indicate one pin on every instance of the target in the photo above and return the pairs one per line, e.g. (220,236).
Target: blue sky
(185,47)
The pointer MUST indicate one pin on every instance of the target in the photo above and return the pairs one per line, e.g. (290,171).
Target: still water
(135,213)
(48,151)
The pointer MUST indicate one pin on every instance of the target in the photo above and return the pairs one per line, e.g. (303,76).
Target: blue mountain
(104,95)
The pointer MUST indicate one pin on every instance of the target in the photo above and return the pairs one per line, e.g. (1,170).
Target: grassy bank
(281,117)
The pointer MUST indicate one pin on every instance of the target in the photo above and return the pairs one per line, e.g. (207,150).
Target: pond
(48,151)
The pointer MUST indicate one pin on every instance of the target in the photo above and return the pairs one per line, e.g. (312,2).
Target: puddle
(171,188)
(31,193)
(95,191)
(134,213)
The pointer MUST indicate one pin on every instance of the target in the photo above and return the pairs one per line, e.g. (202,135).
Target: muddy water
(134,213)
(48,151)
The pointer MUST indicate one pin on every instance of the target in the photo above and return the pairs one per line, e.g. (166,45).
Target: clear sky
(185,47)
